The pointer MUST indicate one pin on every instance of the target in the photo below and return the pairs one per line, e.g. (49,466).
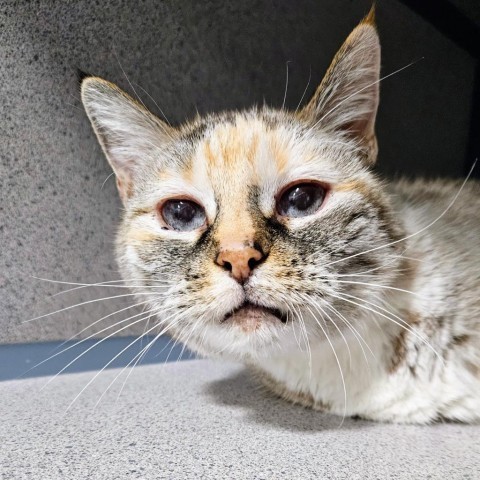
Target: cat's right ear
(128,133)
(346,101)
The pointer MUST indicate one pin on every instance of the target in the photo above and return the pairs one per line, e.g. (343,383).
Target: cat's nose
(239,260)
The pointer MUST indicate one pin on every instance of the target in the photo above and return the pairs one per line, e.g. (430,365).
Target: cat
(264,236)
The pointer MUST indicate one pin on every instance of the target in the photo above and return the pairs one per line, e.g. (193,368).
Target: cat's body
(407,381)
(264,236)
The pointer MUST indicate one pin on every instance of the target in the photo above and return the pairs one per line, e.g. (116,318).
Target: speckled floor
(203,419)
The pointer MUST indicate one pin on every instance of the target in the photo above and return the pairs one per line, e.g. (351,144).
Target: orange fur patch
(357,185)
(279,153)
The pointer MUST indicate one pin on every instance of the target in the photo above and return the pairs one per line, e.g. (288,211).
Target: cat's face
(238,226)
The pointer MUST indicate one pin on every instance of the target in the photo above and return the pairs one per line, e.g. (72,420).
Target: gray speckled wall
(57,212)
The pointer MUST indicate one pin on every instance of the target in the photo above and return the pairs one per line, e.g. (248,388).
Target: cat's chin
(250,317)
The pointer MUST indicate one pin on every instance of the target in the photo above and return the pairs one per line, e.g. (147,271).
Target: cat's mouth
(249,315)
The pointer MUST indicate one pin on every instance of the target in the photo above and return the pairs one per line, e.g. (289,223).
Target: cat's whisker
(202,339)
(413,259)
(185,342)
(196,324)
(180,334)
(293,323)
(103,368)
(140,356)
(152,287)
(305,335)
(418,232)
(175,342)
(91,301)
(79,342)
(402,323)
(113,281)
(81,285)
(358,334)
(137,358)
(286,86)
(155,147)
(96,284)
(324,314)
(105,181)
(386,287)
(100,319)
(90,348)
(376,306)
(338,364)
(147,325)
(355,333)
(391,260)
(305,91)
(164,348)
(363,89)
(126,77)
(156,104)
(345,146)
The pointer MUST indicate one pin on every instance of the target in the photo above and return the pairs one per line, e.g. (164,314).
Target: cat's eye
(301,200)
(183,215)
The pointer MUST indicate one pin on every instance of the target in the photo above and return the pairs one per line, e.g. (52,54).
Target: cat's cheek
(131,257)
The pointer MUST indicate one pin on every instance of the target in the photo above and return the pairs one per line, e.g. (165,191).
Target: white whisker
(105,181)
(305,91)
(138,356)
(356,334)
(90,348)
(156,104)
(91,301)
(401,323)
(286,87)
(386,287)
(364,88)
(338,364)
(323,313)
(418,232)
(102,369)
(86,338)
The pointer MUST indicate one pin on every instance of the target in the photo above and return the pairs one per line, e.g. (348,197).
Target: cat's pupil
(183,211)
(183,215)
(301,200)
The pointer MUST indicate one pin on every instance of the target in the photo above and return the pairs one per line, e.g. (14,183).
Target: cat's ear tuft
(347,99)
(128,133)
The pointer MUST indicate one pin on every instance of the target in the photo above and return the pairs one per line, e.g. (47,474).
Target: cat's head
(243,229)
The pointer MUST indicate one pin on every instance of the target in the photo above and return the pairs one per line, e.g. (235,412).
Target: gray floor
(48,358)
(200,419)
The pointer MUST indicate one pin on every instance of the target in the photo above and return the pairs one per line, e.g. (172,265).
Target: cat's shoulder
(455,194)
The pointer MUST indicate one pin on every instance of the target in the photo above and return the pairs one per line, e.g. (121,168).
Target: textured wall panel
(57,219)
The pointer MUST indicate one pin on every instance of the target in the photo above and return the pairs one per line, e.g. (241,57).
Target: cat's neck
(319,375)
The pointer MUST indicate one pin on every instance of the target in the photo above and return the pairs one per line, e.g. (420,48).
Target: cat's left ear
(347,98)
(129,134)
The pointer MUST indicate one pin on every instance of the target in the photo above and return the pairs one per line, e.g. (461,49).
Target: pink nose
(239,260)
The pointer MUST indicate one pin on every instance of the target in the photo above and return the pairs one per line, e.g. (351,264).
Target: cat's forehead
(241,150)
(255,150)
